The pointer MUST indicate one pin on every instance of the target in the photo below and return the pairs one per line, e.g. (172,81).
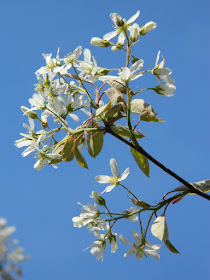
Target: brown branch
(156,162)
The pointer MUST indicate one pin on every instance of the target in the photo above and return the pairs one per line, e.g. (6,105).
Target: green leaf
(125,132)
(120,86)
(94,142)
(203,186)
(171,247)
(140,203)
(149,114)
(159,228)
(141,161)
(80,159)
(115,96)
(103,109)
(68,149)
(137,106)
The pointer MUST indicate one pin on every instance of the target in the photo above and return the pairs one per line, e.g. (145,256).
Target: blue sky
(42,204)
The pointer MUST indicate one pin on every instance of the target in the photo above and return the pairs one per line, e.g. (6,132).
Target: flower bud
(98,199)
(117,19)
(103,71)
(98,42)
(147,27)
(134,32)
(30,114)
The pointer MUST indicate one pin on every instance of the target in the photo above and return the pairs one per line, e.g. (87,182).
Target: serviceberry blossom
(99,246)
(162,73)
(11,255)
(88,215)
(126,74)
(113,181)
(139,248)
(127,213)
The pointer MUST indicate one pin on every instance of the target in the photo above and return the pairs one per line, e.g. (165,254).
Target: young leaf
(94,142)
(171,247)
(68,149)
(140,203)
(149,114)
(120,86)
(103,109)
(141,161)
(80,159)
(203,186)
(115,96)
(125,132)
(137,106)
(159,228)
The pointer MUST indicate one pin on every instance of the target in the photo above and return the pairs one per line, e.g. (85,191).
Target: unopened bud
(147,27)
(98,199)
(103,71)
(30,114)
(134,32)
(117,19)
(98,42)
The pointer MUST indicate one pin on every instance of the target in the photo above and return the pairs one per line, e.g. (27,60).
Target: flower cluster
(10,253)
(72,115)
(102,221)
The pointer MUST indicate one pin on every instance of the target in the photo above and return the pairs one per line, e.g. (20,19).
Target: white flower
(120,25)
(113,181)
(99,246)
(72,58)
(98,198)
(29,139)
(147,27)
(50,64)
(162,73)
(140,249)
(37,102)
(165,89)
(127,74)
(134,32)
(88,215)
(132,218)
(98,42)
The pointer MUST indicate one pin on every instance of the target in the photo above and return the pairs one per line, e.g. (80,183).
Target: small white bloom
(162,73)
(127,74)
(147,28)
(113,181)
(88,215)
(37,102)
(140,249)
(132,218)
(165,89)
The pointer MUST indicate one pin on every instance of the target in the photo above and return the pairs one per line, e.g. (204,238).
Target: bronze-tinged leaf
(80,159)
(171,247)
(159,228)
(140,203)
(69,149)
(125,132)
(141,161)
(102,109)
(137,106)
(120,86)
(148,114)
(115,96)
(94,142)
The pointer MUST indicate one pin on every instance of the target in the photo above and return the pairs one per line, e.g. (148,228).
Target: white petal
(87,55)
(133,18)
(137,237)
(124,175)
(109,188)
(114,167)
(103,179)
(40,163)
(129,252)
(113,246)
(125,75)
(152,253)
(74,117)
(137,65)
(124,240)
(110,35)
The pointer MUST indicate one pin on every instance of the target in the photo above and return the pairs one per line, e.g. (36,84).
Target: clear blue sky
(42,204)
